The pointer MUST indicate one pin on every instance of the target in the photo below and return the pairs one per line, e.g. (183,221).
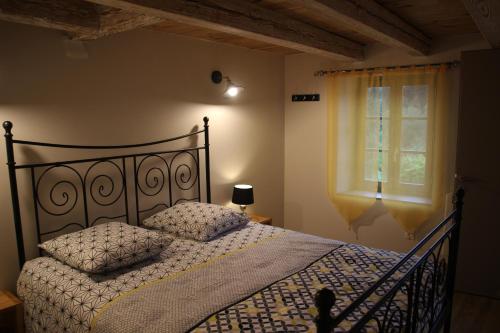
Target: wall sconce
(232,90)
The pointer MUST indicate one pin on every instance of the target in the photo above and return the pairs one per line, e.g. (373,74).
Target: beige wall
(307,206)
(136,87)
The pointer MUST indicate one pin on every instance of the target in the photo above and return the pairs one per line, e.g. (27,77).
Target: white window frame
(393,188)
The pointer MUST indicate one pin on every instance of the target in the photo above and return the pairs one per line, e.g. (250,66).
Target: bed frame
(420,285)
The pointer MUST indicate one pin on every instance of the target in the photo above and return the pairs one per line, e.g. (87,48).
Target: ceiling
(217,36)
(326,27)
(435,18)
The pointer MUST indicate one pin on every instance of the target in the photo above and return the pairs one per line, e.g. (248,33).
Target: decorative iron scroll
(73,192)
(170,176)
(62,200)
(79,193)
(416,300)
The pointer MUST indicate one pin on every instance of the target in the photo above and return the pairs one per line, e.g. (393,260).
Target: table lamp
(243,196)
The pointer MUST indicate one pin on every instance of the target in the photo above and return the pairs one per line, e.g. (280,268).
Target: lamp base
(243,209)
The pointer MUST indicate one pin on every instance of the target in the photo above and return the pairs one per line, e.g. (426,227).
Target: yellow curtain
(373,116)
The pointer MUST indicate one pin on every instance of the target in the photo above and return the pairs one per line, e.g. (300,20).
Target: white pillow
(196,220)
(106,247)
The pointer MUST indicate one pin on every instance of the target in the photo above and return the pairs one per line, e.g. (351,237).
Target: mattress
(58,298)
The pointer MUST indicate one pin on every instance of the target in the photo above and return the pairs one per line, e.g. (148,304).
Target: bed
(253,277)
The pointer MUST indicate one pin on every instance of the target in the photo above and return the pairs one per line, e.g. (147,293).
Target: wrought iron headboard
(81,192)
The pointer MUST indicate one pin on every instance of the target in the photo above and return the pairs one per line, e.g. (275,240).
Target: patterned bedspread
(61,299)
(288,305)
(58,298)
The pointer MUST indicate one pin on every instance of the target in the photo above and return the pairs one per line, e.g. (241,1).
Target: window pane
(415,101)
(371,165)
(372,133)
(412,168)
(414,135)
(378,100)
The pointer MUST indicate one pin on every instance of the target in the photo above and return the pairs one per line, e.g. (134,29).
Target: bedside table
(260,219)
(11,313)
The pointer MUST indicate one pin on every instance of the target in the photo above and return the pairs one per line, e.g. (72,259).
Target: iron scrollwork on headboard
(73,191)
(80,193)
(174,173)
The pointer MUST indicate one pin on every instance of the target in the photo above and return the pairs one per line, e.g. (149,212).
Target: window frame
(393,187)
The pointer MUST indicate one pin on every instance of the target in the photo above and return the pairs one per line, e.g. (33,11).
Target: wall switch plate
(305,98)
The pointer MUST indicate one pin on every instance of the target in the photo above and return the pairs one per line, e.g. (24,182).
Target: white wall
(135,87)
(307,205)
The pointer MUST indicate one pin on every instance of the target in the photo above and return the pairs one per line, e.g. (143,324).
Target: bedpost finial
(458,198)
(324,301)
(7,125)
(205,120)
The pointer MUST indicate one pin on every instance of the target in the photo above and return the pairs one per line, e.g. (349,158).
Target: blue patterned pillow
(106,247)
(196,220)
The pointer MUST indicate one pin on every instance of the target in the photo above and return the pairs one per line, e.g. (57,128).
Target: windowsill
(394,197)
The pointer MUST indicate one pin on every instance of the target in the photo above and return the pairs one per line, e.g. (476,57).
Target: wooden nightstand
(11,313)
(260,219)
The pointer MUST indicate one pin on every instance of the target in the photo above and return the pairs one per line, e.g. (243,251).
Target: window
(391,136)
(397,140)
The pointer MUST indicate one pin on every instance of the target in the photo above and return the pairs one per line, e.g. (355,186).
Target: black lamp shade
(243,194)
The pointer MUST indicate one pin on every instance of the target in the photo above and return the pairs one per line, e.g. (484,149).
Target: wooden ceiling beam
(245,19)
(80,19)
(371,19)
(116,21)
(486,15)
(68,15)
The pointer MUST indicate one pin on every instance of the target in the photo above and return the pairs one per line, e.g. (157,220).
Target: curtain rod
(333,71)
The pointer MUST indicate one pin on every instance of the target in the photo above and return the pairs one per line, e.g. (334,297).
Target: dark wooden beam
(80,19)
(245,19)
(371,19)
(115,21)
(73,16)
(486,15)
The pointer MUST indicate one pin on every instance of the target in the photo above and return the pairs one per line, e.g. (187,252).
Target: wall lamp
(232,90)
